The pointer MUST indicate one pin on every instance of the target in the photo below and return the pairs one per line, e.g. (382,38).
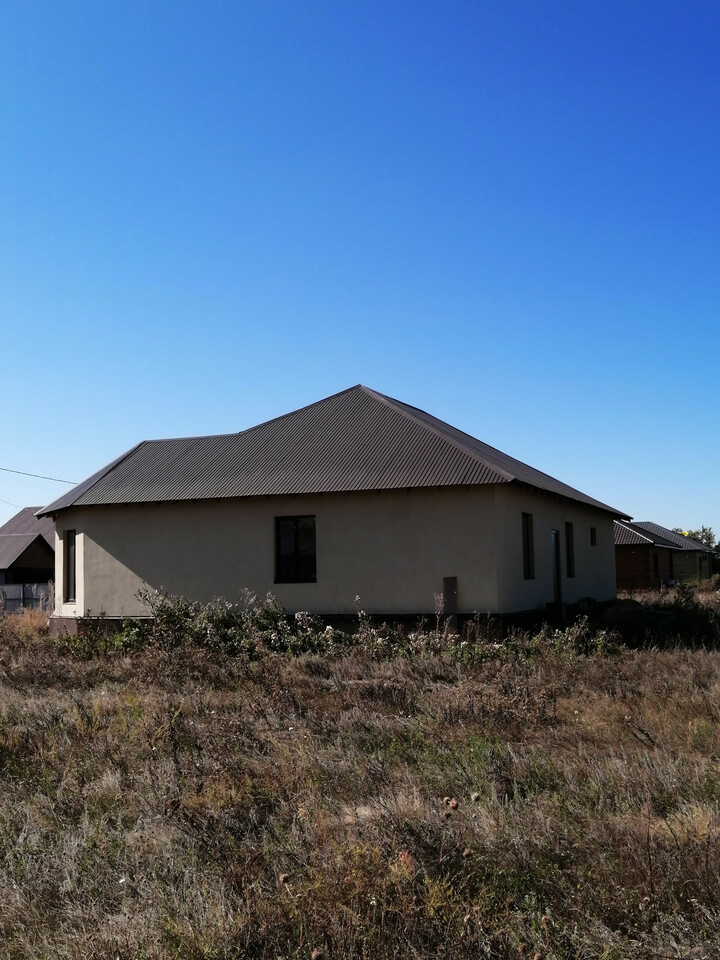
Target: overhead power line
(38,476)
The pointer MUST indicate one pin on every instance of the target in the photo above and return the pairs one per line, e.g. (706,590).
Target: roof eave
(68,499)
(582,501)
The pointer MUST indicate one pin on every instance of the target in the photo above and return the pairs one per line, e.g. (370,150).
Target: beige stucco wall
(392,549)
(594,566)
(77,608)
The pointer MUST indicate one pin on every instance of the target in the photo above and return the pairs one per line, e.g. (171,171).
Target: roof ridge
(19,543)
(255,426)
(659,539)
(291,413)
(405,409)
(631,528)
(356,439)
(478,457)
(680,538)
(30,534)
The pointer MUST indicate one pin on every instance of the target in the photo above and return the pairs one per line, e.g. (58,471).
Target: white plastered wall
(392,549)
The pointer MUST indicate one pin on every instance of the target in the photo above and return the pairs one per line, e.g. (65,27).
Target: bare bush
(404,794)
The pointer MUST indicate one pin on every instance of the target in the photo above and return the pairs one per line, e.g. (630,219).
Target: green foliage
(90,638)
(583,639)
(246,629)
(97,636)
(255,628)
(704,535)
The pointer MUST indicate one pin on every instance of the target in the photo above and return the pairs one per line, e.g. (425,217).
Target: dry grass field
(400,796)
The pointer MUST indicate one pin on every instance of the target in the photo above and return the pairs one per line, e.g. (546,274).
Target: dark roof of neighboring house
(13,545)
(352,441)
(631,535)
(676,539)
(26,522)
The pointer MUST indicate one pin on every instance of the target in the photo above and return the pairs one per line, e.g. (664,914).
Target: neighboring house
(358,495)
(643,560)
(693,561)
(27,548)
(27,560)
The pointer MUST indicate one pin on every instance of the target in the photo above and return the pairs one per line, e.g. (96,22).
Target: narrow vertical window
(569,550)
(656,566)
(295,550)
(528,547)
(593,536)
(70,566)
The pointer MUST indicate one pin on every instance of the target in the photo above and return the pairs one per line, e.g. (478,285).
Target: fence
(16,596)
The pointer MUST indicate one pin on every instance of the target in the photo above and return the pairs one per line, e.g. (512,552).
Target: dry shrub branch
(376,795)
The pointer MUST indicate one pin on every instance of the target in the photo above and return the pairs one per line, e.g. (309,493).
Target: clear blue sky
(506,213)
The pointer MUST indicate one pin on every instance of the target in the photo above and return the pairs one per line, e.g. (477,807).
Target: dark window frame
(298,565)
(569,550)
(528,547)
(593,536)
(70,566)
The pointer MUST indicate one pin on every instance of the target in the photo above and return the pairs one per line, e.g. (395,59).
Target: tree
(703,535)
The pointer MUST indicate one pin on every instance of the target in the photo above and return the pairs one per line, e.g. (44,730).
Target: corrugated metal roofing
(27,522)
(353,441)
(675,539)
(629,534)
(12,545)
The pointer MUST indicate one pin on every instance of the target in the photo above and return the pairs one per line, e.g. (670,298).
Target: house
(692,561)
(643,560)
(27,548)
(27,558)
(357,495)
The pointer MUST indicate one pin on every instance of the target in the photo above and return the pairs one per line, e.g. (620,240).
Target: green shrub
(582,639)
(256,627)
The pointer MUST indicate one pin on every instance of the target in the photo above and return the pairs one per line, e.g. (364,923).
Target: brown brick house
(648,556)
(693,561)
